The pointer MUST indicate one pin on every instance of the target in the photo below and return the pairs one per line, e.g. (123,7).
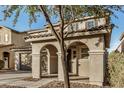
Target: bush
(1,64)
(116,69)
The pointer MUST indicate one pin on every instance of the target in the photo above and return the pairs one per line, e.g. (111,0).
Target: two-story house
(86,40)
(9,39)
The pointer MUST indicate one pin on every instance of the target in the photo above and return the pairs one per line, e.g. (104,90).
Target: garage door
(25,63)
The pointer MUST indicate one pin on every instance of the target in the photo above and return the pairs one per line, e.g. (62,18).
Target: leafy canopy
(70,12)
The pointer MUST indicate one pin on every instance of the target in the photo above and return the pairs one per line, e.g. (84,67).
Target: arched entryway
(6,59)
(78,59)
(49,60)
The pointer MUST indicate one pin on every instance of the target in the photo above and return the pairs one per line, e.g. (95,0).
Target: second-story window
(90,24)
(6,38)
(73,27)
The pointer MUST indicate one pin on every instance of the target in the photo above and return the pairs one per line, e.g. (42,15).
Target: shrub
(116,69)
(1,64)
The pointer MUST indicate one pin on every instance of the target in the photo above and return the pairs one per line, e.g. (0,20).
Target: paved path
(16,79)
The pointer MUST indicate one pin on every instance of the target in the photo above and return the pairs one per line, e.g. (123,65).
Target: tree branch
(50,23)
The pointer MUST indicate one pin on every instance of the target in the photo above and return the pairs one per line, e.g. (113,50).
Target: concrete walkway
(17,79)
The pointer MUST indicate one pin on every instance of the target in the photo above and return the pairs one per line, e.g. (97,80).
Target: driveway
(12,78)
(14,75)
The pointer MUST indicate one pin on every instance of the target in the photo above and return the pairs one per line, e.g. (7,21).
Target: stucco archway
(78,58)
(49,59)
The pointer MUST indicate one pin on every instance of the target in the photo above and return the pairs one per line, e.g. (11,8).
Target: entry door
(74,60)
(6,61)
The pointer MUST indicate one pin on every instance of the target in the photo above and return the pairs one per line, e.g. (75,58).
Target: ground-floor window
(84,53)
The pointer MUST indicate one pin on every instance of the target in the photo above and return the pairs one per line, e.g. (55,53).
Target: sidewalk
(17,79)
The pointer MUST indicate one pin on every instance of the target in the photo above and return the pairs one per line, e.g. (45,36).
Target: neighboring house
(120,47)
(87,42)
(9,39)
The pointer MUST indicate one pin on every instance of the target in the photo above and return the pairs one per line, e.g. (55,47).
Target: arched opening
(6,59)
(49,60)
(78,59)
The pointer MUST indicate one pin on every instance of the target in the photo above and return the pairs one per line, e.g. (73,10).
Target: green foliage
(70,12)
(1,64)
(116,69)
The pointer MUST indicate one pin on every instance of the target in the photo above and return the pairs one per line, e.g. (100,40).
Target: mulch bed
(8,86)
(60,84)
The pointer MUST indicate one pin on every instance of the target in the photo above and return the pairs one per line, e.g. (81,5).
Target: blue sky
(22,25)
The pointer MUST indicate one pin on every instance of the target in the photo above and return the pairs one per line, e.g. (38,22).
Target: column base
(35,76)
(60,78)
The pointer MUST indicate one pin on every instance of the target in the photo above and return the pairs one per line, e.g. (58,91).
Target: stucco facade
(86,50)
(10,39)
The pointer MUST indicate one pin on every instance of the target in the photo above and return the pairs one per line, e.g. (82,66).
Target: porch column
(96,67)
(60,69)
(17,61)
(48,60)
(36,66)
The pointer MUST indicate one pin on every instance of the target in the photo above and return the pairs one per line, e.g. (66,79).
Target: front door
(6,62)
(74,60)
(69,60)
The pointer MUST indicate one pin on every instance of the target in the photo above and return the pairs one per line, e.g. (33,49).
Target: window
(74,54)
(90,24)
(77,26)
(6,38)
(73,27)
(84,53)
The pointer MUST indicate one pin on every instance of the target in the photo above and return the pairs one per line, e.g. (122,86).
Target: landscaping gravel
(60,84)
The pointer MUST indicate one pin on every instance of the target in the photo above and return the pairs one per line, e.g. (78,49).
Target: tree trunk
(63,50)
(64,65)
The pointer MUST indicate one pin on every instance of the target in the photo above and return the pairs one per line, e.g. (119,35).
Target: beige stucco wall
(96,41)
(84,67)
(15,39)
(18,39)
(93,69)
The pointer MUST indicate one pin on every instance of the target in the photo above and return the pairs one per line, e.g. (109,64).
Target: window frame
(84,53)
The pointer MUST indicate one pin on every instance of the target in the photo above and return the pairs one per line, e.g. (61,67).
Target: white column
(36,71)
(96,67)
(48,60)
(17,61)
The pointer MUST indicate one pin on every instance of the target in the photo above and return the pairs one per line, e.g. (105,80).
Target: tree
(65,15)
